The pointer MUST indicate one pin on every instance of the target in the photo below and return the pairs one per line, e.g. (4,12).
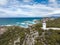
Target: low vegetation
(54,23)
(12,34)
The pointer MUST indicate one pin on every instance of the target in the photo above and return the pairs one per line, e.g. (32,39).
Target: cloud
(52,0)
(54,3)
(56,11)
(16,9)
(28,10)
(3,2)
(27,0)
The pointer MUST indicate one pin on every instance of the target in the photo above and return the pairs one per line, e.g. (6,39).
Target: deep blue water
(17,21)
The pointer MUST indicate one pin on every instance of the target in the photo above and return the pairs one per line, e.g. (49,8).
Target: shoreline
(24,24)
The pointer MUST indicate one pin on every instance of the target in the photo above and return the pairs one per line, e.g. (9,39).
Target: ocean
(18,21)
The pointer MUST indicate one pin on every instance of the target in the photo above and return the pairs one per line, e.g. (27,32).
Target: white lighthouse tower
(44,25)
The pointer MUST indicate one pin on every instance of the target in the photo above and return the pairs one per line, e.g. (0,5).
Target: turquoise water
(18,21)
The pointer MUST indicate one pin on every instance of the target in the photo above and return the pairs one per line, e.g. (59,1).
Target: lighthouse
(44,25)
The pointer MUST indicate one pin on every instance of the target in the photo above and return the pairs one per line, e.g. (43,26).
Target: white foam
(30,22)
(22,23)
(34,20)
(8,25)
(26,24)
(17,22)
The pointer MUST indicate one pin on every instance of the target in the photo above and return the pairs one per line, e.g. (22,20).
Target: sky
(29,8)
